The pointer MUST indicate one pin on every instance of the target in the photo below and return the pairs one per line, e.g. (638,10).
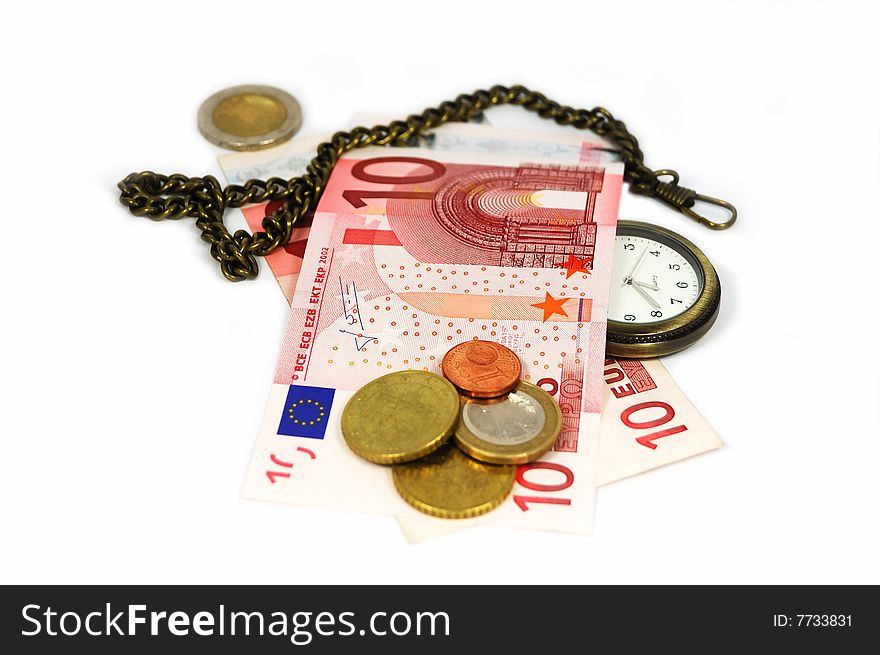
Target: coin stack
(453,441)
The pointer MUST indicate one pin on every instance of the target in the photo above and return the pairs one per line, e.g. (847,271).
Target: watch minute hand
(644,294)
(629,278)
(639,263)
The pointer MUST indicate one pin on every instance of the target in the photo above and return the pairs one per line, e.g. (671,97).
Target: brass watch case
(646,340)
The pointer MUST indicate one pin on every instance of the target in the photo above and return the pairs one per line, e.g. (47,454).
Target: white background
(134,377)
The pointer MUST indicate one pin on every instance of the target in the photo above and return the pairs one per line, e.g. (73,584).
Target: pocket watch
(665,293)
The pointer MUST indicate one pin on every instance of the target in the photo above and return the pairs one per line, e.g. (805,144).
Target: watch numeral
(681,285)
(656,253)
(629,317)
(629,246)
(672,301)
(656,313)
(675,267)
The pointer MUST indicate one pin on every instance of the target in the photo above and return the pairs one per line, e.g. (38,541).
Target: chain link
(160,197)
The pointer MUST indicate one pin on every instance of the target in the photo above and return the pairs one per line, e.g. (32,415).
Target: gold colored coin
(400,417)
(249,117)
(450,485)
(519,428)
(249,114)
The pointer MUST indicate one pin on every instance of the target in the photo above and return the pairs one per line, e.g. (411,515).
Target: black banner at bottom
(517,618)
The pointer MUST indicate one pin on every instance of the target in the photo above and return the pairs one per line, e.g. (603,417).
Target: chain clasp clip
(683,200)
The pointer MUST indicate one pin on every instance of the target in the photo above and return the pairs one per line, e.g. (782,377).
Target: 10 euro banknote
(640,398)
(413,251)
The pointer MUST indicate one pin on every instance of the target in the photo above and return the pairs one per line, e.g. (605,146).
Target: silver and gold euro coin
(249,117)
(515,429)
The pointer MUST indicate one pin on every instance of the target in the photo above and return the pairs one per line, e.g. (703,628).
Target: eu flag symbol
(306,411)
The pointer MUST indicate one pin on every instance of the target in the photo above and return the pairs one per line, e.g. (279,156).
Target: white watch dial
(650,281)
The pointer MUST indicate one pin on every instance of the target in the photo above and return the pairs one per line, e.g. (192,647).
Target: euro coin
(400,417)
(449,484)
(482,369)
(517,429)
(249,117)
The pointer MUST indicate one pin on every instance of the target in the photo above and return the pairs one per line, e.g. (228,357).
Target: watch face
(654,277)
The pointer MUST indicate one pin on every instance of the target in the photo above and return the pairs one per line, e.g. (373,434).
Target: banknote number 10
(523,501)
(647,440)
(355,197)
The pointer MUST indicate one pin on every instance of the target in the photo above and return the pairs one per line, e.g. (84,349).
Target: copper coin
(482,369)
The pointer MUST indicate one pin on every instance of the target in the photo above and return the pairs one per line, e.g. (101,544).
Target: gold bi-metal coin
(249,117)
(400,417)
(449,484)
(517,429)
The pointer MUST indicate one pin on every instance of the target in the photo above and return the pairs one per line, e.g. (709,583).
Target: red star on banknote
(552,306)
(575,265)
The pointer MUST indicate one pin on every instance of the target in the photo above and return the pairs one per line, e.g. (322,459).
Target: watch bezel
(658,338)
